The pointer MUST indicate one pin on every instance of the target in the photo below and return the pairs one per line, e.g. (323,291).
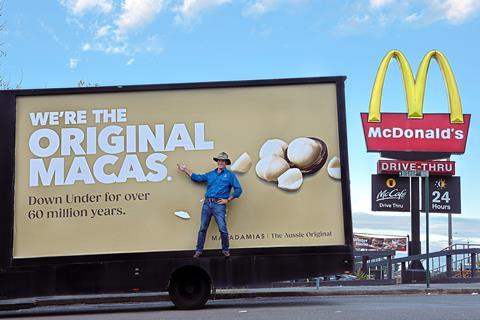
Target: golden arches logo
(415,87)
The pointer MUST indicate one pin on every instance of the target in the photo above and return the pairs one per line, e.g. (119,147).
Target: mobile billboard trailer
(92,201)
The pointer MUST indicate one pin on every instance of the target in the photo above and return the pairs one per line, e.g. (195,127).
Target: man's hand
(222,201)
(182,167)
(225,201)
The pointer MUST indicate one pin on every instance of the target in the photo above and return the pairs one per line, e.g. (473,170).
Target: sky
(67,43)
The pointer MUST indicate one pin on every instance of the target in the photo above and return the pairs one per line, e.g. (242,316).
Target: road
(425,307)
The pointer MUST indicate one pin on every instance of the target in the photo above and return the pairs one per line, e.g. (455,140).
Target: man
(220,182)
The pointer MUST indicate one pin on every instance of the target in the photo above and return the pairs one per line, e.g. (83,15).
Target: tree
(4,84)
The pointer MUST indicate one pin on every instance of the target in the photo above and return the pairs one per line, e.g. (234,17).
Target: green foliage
(361,275)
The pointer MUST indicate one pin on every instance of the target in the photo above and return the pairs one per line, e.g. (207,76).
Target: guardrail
(464,260)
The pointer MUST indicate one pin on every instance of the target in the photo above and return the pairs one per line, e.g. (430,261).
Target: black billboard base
(414,273)
(413,276)
(416,265)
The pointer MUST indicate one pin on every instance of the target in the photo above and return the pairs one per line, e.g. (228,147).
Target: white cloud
(53,34)
(79,7)
(151,45)
(376,4)
(125,47)
(86,46)
(103,31)
(260,7)
(354,23)
(74,21)
(73,63)
(384,13)
(107,48)
(189,11)
(110,33)
(136,13)
(414,17)
(455,11)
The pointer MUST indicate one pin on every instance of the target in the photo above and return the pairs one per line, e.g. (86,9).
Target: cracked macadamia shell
(334,169)
(271,167)
(242,164)
(273,147)
(303,152)
(291,179)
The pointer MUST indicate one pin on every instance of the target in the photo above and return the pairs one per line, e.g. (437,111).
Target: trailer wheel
(189,289)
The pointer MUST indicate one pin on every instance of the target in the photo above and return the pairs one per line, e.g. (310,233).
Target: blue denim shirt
(219,184)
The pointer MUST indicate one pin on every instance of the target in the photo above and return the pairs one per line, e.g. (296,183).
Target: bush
(361,275)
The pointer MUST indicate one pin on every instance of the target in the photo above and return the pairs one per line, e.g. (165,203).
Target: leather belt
(212,199)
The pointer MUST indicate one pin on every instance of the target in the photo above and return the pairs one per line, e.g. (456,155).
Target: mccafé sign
(435,135)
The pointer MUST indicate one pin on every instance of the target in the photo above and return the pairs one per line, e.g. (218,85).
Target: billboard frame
(7,143)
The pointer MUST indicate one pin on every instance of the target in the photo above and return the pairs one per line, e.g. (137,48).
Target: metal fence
(459,261)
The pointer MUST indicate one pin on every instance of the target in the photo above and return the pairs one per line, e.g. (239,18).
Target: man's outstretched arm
(195,177)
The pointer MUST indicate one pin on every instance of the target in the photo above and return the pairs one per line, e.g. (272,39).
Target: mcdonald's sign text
(433,133)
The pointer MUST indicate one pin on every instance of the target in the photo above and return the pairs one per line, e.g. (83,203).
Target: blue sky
(58,43)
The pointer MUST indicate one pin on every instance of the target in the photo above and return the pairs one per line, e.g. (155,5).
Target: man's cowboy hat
(222,156)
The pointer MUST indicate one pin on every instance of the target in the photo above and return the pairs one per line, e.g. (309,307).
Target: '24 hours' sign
(444,194)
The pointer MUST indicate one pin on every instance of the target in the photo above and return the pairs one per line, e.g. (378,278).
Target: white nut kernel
(182,214)
(273,147)
(270,168)
(333,168)
(242,164)
(291,179)
(303,152)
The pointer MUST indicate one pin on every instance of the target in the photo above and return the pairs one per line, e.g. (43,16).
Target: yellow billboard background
(237,120)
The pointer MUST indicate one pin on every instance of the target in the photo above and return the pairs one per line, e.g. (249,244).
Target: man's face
(221,164)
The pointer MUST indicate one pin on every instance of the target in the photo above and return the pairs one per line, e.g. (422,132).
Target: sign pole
(427,207)
(415,225)
(450,235)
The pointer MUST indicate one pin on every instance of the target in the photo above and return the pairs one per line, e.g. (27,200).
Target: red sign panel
(434,167)
(433,133)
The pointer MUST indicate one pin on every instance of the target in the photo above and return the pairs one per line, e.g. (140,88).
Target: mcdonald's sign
(429,136)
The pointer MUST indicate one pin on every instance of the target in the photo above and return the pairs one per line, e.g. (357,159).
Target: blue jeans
(218,212)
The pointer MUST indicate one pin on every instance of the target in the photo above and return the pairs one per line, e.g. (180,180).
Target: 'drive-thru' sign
(431,136)
(433,167)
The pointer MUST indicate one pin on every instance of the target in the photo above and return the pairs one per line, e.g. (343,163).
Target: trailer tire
(189,289)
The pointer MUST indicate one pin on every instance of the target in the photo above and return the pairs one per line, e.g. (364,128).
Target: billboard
(428,136)
(377,242)
(96,171)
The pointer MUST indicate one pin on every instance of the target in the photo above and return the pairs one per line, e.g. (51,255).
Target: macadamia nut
(182,214)
(273,147)
(303,152)
(242,164)
(291,179)
(333,168)
(271,167)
